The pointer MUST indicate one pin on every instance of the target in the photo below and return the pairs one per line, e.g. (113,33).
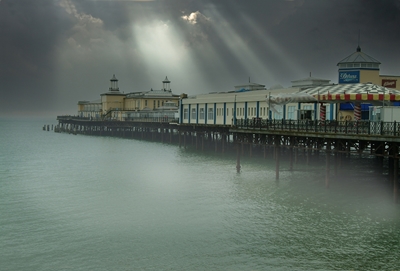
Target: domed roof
(359,57)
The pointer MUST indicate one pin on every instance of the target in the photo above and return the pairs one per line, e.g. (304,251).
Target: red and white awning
(353,92)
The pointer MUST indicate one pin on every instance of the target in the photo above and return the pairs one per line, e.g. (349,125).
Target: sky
(54,53)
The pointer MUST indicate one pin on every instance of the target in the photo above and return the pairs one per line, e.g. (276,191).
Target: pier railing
(327,126)
(164,119)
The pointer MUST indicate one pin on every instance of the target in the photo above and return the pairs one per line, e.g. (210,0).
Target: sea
(79,202)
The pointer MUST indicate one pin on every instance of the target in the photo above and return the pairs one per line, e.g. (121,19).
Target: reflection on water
(92,203)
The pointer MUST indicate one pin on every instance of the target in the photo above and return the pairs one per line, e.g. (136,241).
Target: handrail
(327,126)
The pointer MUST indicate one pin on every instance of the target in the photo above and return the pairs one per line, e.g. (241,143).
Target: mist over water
(98,203)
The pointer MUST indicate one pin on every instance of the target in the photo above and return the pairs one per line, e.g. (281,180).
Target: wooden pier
(280,137)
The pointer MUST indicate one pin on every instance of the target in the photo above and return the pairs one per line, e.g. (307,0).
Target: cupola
(359,60)
(166,84)
(114,84)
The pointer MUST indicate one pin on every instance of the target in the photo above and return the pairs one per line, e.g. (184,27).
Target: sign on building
(349,77)
(389,83)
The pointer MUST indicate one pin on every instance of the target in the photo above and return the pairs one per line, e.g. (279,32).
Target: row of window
(154,103)
(201,113)
(278,114)
(359,65)
(92,107)
(251,112)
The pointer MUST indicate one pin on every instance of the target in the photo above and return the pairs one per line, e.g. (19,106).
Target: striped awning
(354,92)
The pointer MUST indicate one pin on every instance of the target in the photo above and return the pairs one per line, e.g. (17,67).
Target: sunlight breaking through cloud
(240,49)
(159,44)
(271,45)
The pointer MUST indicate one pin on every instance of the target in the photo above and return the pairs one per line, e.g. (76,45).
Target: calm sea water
(95,203)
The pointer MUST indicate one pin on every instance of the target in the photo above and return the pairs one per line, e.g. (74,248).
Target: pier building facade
(360,67)
(117,105)
(360,86)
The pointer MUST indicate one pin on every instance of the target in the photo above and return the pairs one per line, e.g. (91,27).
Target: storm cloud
(55,53)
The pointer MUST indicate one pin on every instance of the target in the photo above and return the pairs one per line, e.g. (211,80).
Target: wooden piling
(328,154)
(277,158)
(395,179)
(238,158)
(202,141)
(291,155)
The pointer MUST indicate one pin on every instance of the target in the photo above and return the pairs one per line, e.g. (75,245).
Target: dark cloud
(54,53)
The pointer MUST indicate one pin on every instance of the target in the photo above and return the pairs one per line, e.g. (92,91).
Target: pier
(278,138)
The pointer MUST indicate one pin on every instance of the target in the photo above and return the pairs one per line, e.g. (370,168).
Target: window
(290,114)
(227,112)
(279,115)
(145,102)
(201,113)
(210,113)
(193,113)
(328,112)
(154,104)
(185,113)
(158,103)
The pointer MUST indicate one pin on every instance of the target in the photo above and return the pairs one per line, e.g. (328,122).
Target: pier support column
(277,157)
(328,166)
(238,158)
(395,179)
(291,155)
(223,143)
(336,159)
